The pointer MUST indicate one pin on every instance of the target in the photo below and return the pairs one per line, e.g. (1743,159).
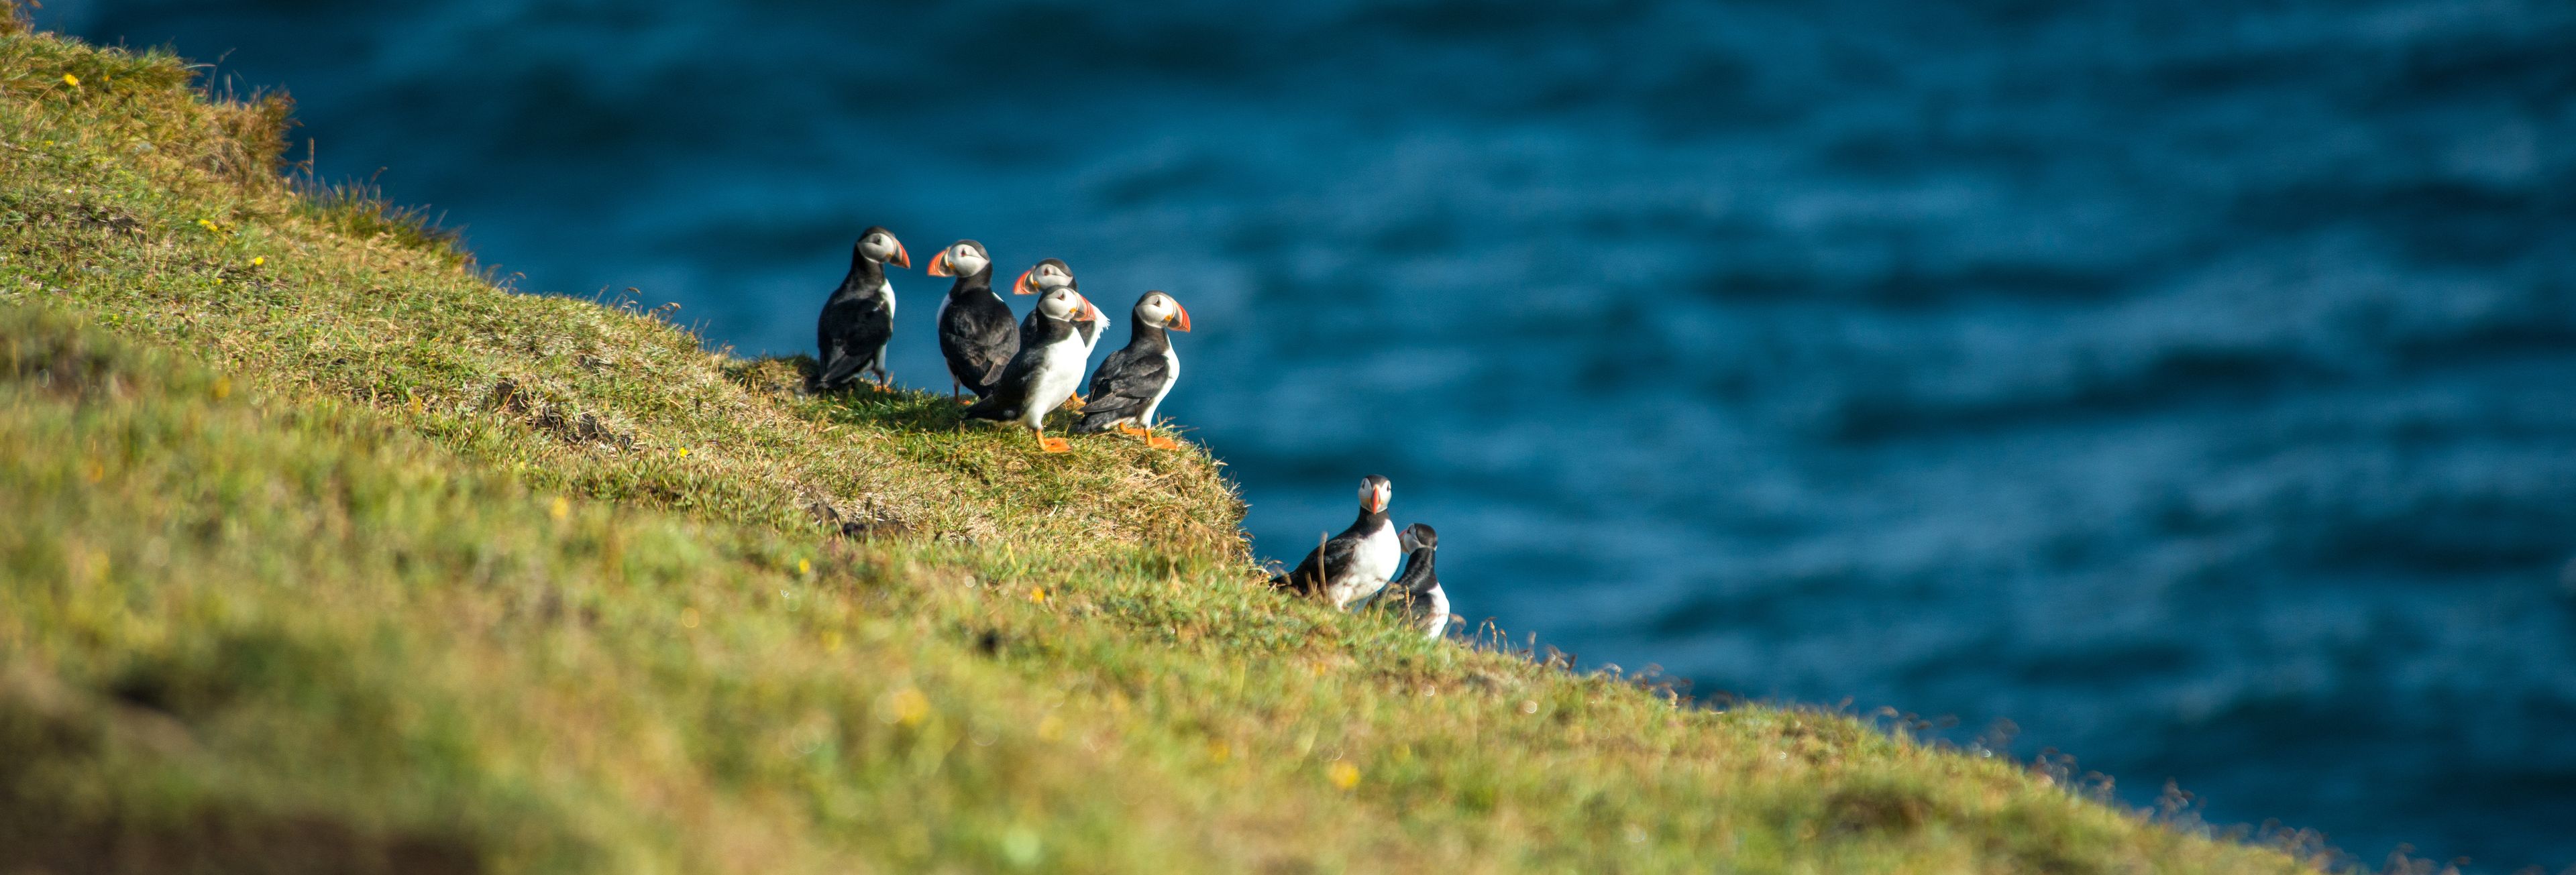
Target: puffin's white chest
(1057,376)
(1172,377)
(1092,332)
(1372,564)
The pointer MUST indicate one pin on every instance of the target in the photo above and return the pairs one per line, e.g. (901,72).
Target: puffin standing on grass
(1355,564)
(1417,594)
(1132,382)
(1046,369)
(976,332)
(858,321)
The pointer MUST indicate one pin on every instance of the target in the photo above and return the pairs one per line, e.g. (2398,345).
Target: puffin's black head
(1375,492)
(962,258)
(1067,305)
(1049,274)
(878,245)
(1418,537)
(1158,308)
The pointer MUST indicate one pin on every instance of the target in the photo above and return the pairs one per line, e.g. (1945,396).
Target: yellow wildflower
(71,80)
(560,509)
(257,260)
(908,706)
(804,567)
(684,452)
(1037,595)
(1343,775)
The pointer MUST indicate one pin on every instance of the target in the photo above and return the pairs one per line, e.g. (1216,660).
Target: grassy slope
(288,583)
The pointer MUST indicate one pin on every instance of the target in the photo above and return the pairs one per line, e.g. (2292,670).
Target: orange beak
(1180,320)
(1377,501)
(1088,313)
(1023,286)
(901,258)
(939,264)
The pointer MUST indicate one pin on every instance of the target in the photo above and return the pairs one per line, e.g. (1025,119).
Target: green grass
(325,553)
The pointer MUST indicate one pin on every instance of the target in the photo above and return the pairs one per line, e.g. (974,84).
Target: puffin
(1047,368)
(1355,564)
(976,332)
(858,321)
(1417,594)
(1131,383)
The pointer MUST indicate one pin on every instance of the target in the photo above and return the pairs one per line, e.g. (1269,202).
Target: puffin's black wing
(848,337)
(1322,564)
(1416,583)
(978,337)
(1121,388)
(1011,391)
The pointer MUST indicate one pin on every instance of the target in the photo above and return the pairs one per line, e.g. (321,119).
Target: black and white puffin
(1131,383)
(858,321)
(976,332)
(1046,370)
(1355,564)
(1417,594)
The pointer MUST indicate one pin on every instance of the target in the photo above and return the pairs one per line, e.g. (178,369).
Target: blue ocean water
(2192,385)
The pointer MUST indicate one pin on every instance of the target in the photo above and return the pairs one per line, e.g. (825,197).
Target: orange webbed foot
(1054,445)
(1160,442)
(1133,431)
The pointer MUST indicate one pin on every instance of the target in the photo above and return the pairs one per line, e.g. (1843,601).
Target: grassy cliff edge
(327,553)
